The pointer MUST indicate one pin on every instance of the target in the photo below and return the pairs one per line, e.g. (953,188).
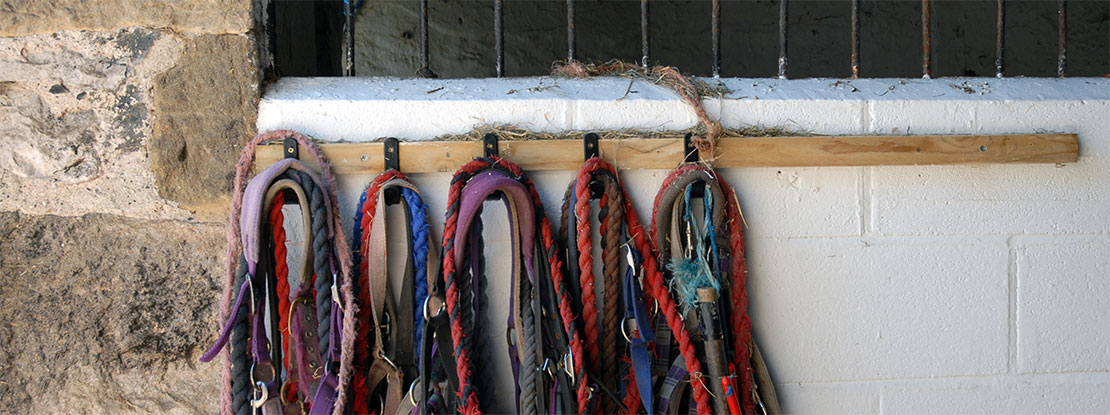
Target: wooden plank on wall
(448,156)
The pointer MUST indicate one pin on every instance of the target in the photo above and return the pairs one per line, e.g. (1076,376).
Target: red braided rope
(586,266)
(281,272)
(467,404)
(741,322)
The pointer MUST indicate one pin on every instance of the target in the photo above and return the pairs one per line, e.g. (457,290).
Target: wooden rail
(447,156)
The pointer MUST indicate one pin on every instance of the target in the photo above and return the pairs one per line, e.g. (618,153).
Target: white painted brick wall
(933,289)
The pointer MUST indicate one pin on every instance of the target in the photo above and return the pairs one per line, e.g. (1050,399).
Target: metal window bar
(570,31)
(716,38)
(348,39)
(782,38)
(1062,54)
(645,33)
(855,39)
(425,70)
(499,37)
(1000,40)
(926,40)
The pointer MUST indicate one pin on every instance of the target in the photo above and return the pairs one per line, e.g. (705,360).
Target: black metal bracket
(392,153)
(289,146)
(689,149)
(489,145)
(590,147)
(490,149)
(691,156)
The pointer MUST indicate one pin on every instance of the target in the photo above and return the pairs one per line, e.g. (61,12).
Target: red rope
(741,322)
(586,266)
(468,404)
(281,271)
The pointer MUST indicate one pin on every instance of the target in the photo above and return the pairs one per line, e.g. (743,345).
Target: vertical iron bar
(499,37)
(926,40)
(1000,40)
(425,70)
(570,31)
(782,39)
(855,39)
(1062,58)
(644,33)
(716,27)
(349,39)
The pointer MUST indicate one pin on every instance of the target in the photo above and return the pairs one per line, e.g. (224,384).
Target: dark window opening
(308,37)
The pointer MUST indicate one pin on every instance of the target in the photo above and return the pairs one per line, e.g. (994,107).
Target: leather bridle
(390,327)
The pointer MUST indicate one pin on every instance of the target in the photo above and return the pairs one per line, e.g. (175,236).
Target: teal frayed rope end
(687,276)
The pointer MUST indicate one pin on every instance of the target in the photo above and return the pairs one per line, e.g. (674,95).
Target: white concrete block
(1078,393)
(848,398)
(929,116)
(849,309)
(820,117)
(1063,304)
(798,202)
(991,199)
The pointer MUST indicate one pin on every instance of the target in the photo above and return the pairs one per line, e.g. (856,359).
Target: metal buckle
(335,292)
(380,354)
(260,389)
(568,366)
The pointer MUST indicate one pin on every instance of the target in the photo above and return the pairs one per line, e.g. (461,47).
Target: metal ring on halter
(624,328)
(427,316)
(258,401)
(292,305)
(412,391)
(273,372)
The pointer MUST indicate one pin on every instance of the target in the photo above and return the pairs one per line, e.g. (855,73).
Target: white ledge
(362,109)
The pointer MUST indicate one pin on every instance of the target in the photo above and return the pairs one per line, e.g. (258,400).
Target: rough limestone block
(1063,292)
(75,113)
(107,314)
(27,17)
(206,109)
(849,309)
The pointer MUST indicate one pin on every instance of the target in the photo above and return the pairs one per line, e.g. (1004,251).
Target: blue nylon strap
(634,309)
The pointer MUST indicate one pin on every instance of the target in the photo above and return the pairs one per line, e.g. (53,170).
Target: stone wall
(121,121)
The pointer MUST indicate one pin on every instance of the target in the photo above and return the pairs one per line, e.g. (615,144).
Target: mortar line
(865,203)
(1011,306)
